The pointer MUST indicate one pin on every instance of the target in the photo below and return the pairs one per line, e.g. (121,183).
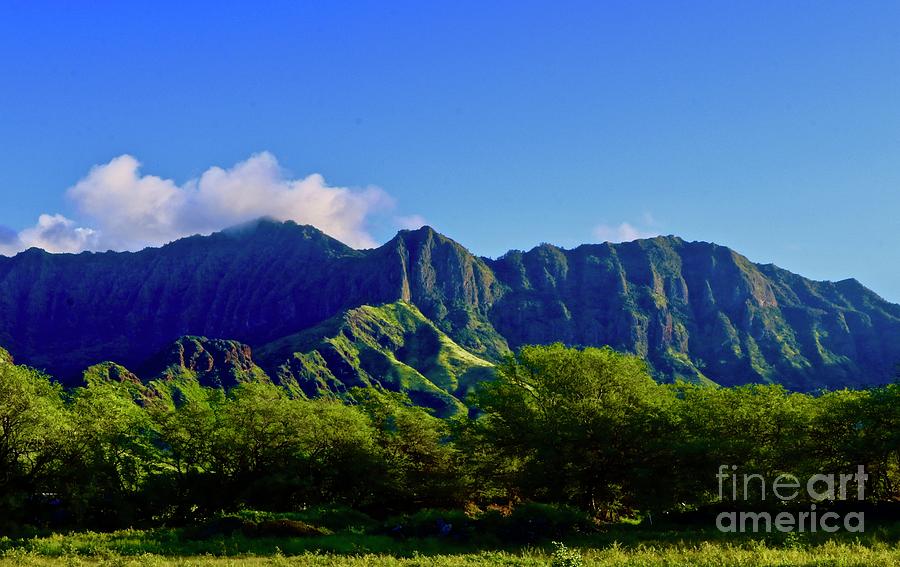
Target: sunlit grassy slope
(392,345)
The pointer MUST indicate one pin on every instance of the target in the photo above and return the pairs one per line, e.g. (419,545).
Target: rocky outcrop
(213,363)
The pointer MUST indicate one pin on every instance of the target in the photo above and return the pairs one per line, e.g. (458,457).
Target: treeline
(588,428)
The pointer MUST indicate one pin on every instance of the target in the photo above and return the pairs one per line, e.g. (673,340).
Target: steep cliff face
(448,284)
(695,310)
(699,311)
(849,334)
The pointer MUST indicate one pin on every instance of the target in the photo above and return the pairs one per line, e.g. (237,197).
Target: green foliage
(562,439)
(423,469)
(565,557)
(34,430)
(762,429)
(269,450)
(334,518)
(111,454)
(286,528)
(581,426)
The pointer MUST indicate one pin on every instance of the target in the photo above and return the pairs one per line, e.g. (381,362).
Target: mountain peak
(420,236)
(268,231)
(269,225)
(423,230)
(424,238)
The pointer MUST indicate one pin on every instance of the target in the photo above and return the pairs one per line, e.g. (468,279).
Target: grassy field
(701,556)
(621,546)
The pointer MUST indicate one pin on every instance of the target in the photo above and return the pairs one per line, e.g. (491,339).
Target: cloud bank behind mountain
(125,209)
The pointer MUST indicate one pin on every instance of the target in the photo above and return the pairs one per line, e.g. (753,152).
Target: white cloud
(624,232)
(129,210)
(53,233)
(257,187)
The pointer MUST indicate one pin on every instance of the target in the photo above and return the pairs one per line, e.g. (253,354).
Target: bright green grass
(710,555)
(621,546)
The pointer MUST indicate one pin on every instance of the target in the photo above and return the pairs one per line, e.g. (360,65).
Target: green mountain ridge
(693,310)
(700,311)
(392,346)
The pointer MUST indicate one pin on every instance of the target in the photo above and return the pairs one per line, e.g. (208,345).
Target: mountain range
(422,314)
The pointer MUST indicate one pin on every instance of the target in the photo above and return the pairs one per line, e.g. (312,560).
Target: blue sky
(770,127)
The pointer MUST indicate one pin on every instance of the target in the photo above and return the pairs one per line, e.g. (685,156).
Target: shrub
(565,557)
(336,518)
(286,528)
(431,523)
(224,526)
(529,522)
(534,522)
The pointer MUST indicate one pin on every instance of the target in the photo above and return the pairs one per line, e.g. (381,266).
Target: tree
(33,429)
(587,427)
(277,452)
(110,455)
(760,429)
(185,429)
(422,466)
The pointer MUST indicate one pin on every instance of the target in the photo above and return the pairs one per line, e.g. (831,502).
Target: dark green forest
(586,430)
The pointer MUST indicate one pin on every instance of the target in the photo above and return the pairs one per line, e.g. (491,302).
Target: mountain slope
(452,287)
(393,346)
(695,310)
(699,311)
(64,312)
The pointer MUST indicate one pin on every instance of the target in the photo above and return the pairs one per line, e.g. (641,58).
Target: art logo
(787,491)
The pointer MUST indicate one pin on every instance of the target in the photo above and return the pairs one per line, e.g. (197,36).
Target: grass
(709,555)
(621,545)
